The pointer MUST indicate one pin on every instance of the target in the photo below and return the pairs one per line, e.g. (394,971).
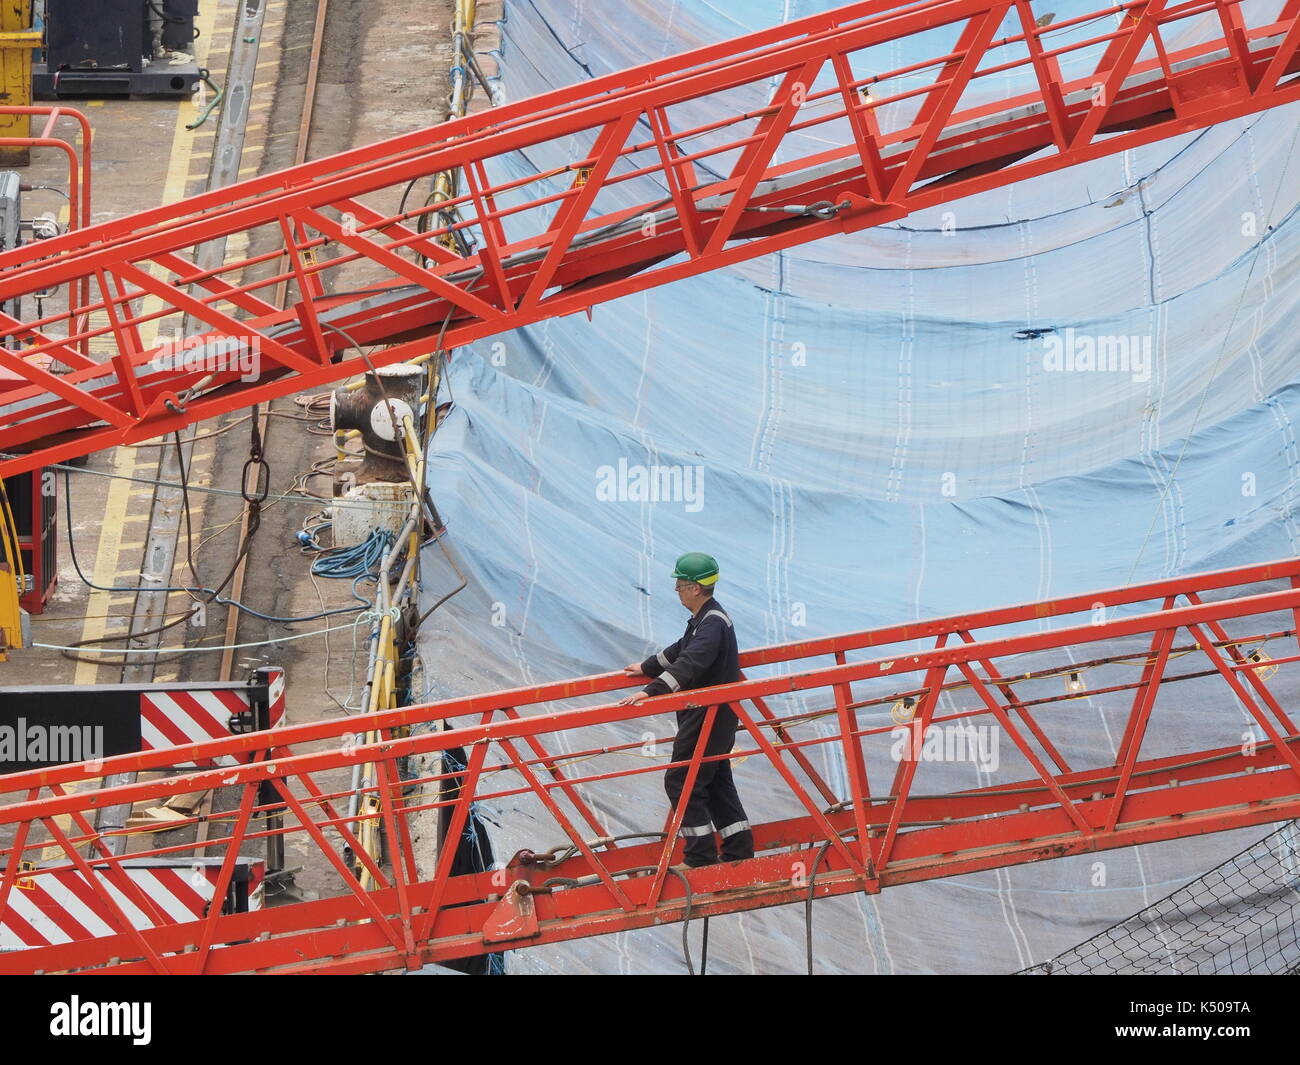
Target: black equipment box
(105,48)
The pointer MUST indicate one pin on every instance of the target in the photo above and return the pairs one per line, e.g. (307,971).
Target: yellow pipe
(462,27)
(13,578)
(341,437)
(369,808)
(11,534)
(383,689)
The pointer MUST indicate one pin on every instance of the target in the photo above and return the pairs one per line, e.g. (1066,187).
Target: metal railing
(890,815)
(636,208)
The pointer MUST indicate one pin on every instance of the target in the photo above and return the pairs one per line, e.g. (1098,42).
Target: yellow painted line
(119,493)
(106,561)
(178,167)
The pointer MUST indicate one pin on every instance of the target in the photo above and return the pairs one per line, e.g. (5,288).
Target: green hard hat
(698,567)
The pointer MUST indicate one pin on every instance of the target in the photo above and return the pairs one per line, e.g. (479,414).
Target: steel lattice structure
(880,829)
(503,254)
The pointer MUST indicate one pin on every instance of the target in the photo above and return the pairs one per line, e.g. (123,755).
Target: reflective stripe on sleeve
(662,660)
(673,683)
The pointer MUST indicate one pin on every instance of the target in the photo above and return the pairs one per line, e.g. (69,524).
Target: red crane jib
(559,755)
(113,368)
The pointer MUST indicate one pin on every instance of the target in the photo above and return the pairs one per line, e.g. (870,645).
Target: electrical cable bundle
(347,563)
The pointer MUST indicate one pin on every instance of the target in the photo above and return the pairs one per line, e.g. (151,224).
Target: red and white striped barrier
(44,726)
(174,718)
(58,906)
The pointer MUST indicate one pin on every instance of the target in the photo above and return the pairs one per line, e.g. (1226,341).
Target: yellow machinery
(17,39)
(13,619)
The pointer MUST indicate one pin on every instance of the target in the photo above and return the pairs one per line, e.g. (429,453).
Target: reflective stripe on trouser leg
(696,832)
(726,809)
(698,819)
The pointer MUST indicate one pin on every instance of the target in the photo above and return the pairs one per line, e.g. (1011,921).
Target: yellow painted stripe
(107,560)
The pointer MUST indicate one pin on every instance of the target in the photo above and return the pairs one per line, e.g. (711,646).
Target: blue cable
(353,563)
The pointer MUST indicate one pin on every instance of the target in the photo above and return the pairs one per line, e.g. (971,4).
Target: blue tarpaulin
(1083,380)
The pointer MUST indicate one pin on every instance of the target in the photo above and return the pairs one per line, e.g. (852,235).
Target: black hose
(686,918)
(808,907)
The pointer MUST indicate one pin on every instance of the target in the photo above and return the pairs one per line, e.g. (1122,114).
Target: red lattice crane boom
(563,752)
(506,252)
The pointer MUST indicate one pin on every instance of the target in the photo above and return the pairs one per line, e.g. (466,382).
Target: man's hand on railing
(634,670)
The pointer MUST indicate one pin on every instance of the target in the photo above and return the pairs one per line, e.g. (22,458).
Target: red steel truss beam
(553,243)
(1169,778)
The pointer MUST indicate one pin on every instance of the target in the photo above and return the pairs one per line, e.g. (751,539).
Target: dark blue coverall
(705,655)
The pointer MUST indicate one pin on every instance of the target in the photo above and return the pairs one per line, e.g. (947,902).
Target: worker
(705,655)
